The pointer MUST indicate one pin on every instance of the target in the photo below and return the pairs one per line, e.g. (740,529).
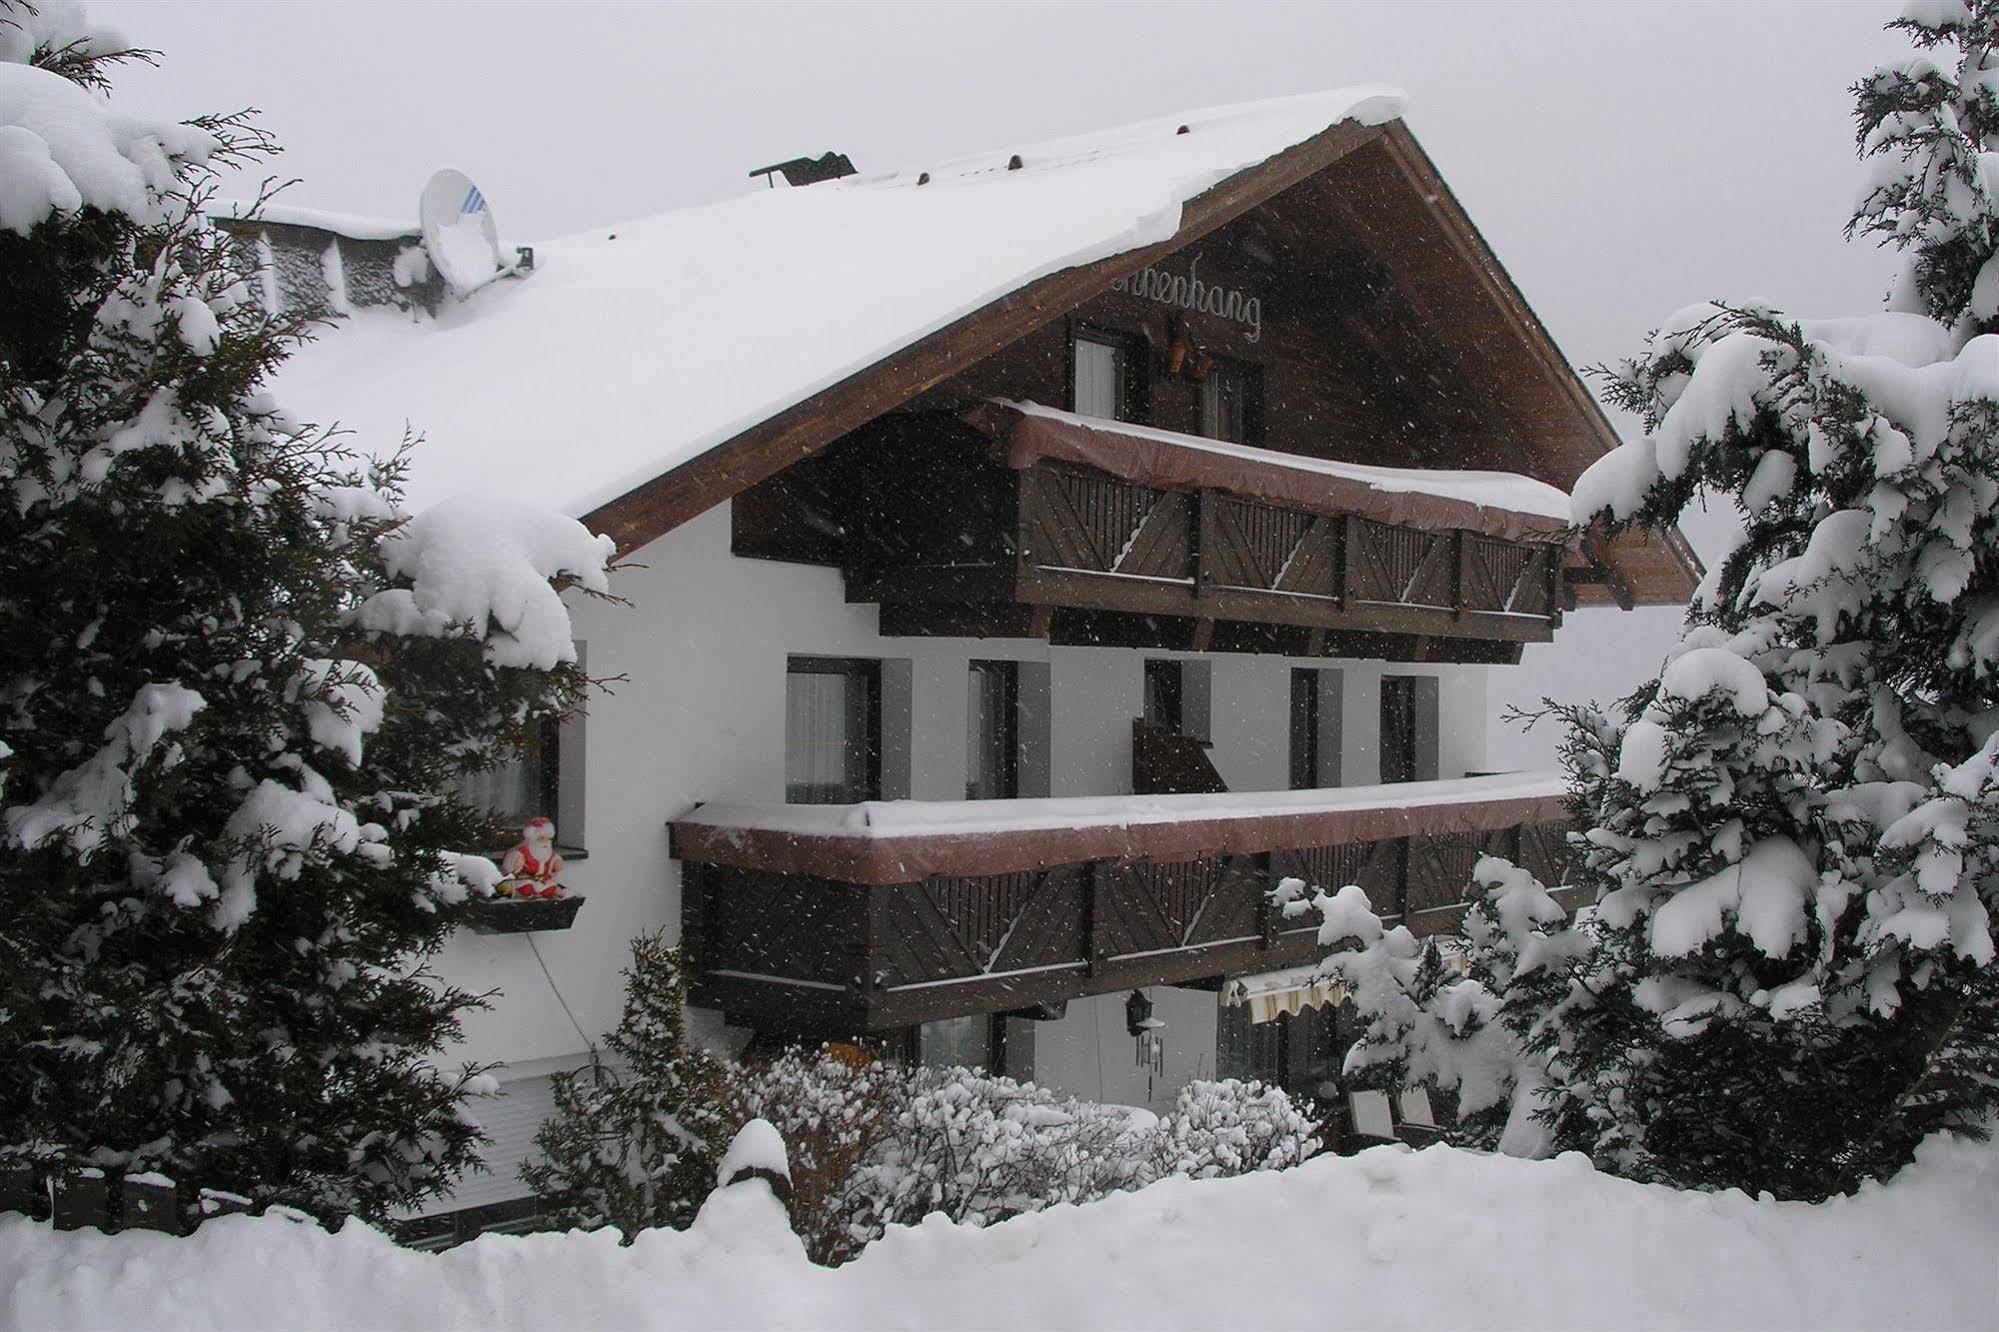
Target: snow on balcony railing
(1505,505)
(903,841)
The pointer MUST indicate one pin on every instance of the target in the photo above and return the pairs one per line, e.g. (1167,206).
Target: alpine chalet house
(1030,560)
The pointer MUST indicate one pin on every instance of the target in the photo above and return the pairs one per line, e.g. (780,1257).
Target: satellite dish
(458,232)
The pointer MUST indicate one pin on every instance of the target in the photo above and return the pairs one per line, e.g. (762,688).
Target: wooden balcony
(1030,523)
(841,920)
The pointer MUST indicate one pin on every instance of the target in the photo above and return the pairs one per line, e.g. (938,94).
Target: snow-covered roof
(635,348)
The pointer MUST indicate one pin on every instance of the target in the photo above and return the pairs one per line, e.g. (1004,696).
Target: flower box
(523,915)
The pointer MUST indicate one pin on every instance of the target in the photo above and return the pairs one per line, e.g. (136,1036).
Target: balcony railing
(1047,515)
(839,920)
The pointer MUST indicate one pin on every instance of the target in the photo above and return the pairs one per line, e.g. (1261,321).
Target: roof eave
(656,507)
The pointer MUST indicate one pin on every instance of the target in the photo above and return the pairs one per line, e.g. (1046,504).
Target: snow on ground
(636,347)
(1387,1239)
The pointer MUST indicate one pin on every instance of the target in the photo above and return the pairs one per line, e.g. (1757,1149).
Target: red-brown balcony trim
(909,841)
(1026,433)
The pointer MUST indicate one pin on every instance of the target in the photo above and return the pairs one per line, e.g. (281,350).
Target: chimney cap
(808,170)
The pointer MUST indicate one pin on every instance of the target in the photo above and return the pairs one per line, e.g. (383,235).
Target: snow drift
(1390,1238)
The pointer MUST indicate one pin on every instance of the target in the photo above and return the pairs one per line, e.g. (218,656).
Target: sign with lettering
(1188,292)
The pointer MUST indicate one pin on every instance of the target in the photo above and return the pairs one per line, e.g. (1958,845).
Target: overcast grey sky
(1623,159)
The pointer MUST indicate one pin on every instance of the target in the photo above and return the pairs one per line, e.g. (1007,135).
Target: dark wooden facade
(949,541)
(847,951)
(1345,362)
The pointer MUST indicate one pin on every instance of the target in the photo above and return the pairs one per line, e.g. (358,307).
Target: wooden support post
(1204,542)
(1096,917)
(1461,579)
(1599,558)
(1403,869)
(1204,634)
(149,1202)
(873,906)
(1350,544)
(1315,642)
(23,1190)
(1026,482)
(83,1199)
(1262,882)
(693,919)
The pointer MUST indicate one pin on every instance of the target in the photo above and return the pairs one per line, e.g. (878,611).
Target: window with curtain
(832,737)
(520,788)
(992,731)
(1106,378)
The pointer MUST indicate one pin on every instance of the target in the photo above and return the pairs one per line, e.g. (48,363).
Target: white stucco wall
(696,713)
(1090,1053)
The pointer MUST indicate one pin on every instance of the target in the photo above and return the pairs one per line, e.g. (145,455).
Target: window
(1315,728)
(1300,1052)
(541,780)
(992,731)
(972,1041)
(1408,728)
(1107,377)
(1165,704)
(1177,696)
(991,1041)
(1232,402)
(832,731)
(521,788)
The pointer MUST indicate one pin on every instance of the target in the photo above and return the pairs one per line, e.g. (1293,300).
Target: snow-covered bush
(227,841)
(1231,1128)
(1792,835)
(634,1142)
(874,1145)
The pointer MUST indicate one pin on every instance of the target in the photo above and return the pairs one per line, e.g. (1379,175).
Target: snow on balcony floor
(883,819)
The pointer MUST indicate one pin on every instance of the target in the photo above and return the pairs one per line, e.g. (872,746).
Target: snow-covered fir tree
(237,684)
(1787,979)
(635,1140)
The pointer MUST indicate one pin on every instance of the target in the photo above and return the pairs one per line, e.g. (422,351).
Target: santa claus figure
(533,869)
